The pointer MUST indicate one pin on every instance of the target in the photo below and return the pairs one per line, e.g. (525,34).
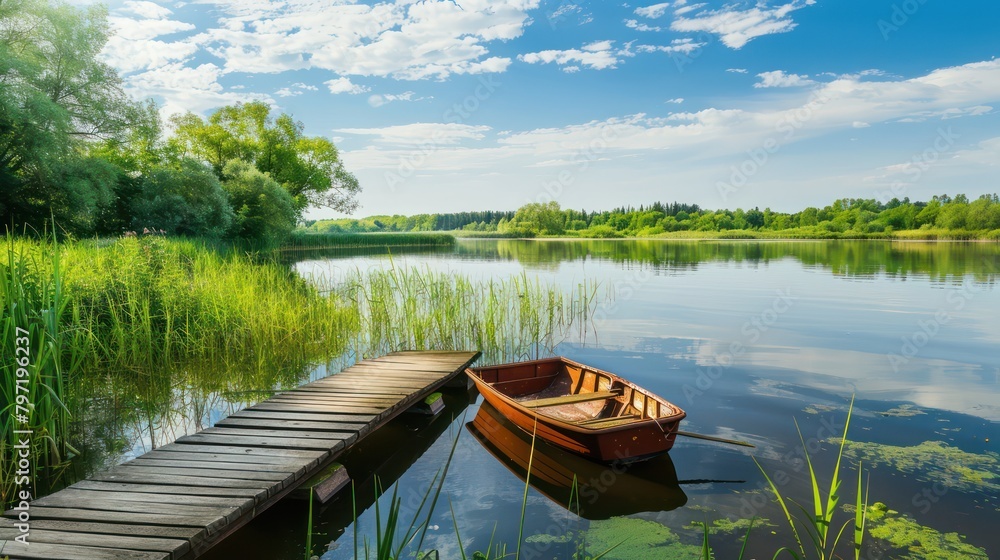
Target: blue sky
(472,105)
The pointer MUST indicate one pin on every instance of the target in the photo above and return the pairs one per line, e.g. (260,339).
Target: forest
(943,216)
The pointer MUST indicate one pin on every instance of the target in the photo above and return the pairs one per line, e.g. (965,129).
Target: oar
(713,438)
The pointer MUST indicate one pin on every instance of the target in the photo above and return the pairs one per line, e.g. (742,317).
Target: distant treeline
(943,216)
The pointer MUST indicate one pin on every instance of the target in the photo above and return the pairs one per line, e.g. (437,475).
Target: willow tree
(308,167)
(56,96)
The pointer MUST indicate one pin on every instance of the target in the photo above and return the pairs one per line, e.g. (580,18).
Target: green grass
(304,240)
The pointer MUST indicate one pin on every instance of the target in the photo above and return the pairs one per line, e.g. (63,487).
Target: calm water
(746,336)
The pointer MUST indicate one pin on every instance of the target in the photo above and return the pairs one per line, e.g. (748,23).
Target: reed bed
(303,240)
(511,319)
(38,359)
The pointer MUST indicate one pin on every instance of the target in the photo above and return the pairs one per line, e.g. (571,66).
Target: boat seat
(570,399)
(598,423)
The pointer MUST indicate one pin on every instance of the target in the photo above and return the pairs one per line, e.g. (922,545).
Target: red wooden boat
(587,411)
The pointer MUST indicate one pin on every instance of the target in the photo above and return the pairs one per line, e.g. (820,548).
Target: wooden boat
(587,411)
(601,492)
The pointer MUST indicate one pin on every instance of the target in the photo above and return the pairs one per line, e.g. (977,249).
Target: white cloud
(987,153)
(736,27)
(134,46)
(344,85)
(737,70)
(422,133)
(598,55)
(184,88)
(949,113)
(682,46)
(405,40)
(147,10)
(656,10)
(779,78)
(676,100)
(860,124)
(380,99)
(634,24)
(295,90)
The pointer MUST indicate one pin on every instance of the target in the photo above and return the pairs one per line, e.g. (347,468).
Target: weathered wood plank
(170,546)
(169,489)
(123,529)
(141,477)
(276,424)
(260,441)
(355,419)
(194,469)
(44,551)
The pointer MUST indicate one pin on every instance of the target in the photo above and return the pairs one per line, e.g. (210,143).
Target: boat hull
(628,442)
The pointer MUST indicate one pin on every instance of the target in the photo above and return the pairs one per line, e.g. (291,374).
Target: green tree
(307,167)
(55,97)
(984,213)
(953,214)
(539,218)
(264,212)
(182,200)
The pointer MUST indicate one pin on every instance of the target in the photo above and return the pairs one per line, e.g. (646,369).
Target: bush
(264,211)
(601,232)
(187,200)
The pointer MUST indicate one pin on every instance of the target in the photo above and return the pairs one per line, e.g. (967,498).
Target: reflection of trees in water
(126,413)
(936,261)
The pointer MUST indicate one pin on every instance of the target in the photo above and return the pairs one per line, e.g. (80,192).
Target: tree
(755,218)
(55,96)
(539,218)
(186,200)
(264,212)
(308,168)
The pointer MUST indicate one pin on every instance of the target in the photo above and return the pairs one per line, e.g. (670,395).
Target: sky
(448,106)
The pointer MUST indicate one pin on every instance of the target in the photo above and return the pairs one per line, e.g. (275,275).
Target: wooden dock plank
(177,501)
(45,551)
(152,544)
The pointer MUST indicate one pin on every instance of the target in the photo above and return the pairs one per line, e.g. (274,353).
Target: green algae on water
(933,460)
(642,539)
(920,542)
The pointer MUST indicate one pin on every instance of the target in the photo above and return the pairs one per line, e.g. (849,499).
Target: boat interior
(575,394)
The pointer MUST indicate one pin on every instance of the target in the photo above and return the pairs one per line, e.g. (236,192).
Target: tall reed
(39,358)
(418,308)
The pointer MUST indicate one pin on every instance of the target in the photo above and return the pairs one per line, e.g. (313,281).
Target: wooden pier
(177,501)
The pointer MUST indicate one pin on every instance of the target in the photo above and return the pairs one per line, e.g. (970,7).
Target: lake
(748,338)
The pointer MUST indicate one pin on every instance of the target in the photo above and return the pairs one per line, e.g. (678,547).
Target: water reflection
(602,491)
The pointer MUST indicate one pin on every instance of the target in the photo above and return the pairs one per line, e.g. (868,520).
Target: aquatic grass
(706,549)
(817,524)
(418,308)
(38,359)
